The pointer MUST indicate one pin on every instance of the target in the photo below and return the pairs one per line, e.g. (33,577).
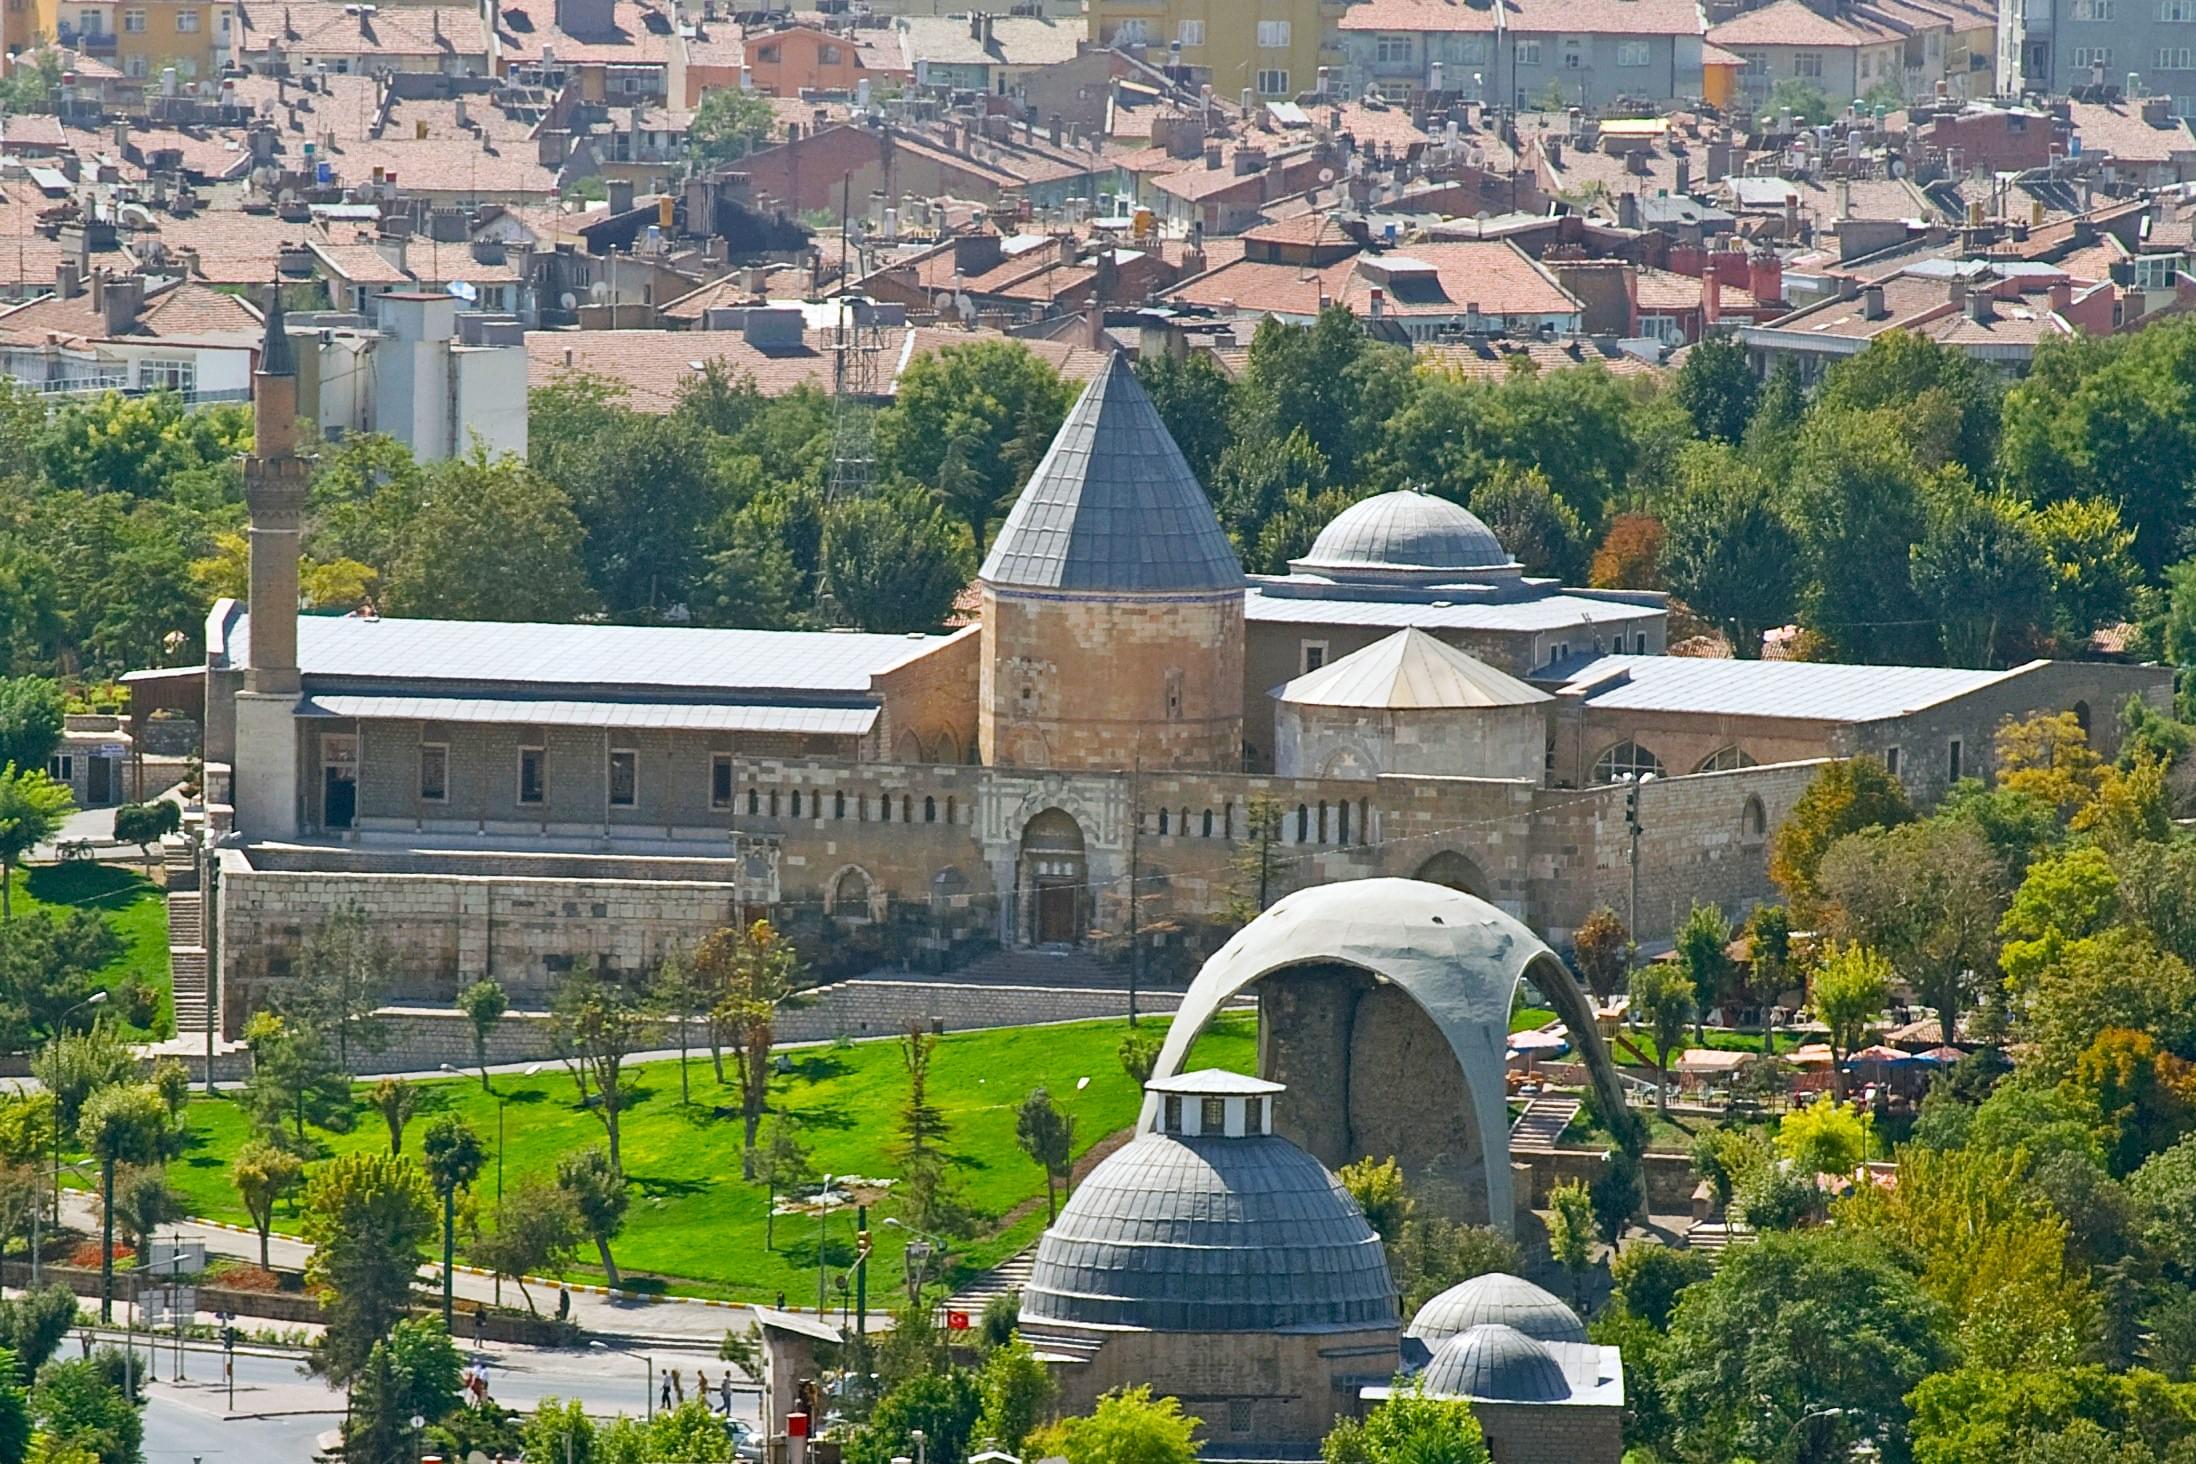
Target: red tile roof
(1794,23)
(1498,277)
(1531,17)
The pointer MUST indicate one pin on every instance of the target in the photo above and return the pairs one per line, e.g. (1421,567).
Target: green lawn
(694,1225)
(1719,1040)
(133,905)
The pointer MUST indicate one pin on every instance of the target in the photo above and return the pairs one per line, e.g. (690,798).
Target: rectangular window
(1273,83)
(133,21)
(2173,58)
(1639,644)
(1394,93)
(1239,1415)
(2093,9)
(1273,35)
(827,55)
(137,66)
(1131,33)
(1891,761)
(1807,63)
(1574,56)
(533,774)
(2094,56)
(176,376)
(434,772)
(1311,656)
(1173,1121)
(2176,10)
(1953,760)
(1528,53)
(186,21)
(624,777)
(1631,53)
(720,780)
(1212,1115)
(1192,32)
(767,55)
(61,767)
(1390,49)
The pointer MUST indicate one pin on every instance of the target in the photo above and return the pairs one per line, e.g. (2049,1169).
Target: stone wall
(1552,1433)
(1485,742)
(1248,1387)
(929,703)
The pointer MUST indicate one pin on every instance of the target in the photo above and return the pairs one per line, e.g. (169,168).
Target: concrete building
(1596,54)
(1271,49)
(2053,47)
(444,382)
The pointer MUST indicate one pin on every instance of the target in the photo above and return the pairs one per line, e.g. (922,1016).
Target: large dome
(1509,1301)
(1405,533)
(1496,1364)
(1211,1234)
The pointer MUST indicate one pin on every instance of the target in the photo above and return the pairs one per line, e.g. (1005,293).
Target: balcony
(91,43)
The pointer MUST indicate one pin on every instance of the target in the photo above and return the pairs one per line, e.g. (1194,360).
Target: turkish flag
(957,1321)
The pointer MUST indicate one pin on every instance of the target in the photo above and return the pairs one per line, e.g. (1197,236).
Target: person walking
(724,1390)
(665,1401)
(678,1385)
(701,1387)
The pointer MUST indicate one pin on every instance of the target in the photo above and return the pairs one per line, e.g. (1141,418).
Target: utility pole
(1634,782)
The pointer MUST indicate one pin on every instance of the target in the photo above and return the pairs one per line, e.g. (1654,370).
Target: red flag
(957,1321)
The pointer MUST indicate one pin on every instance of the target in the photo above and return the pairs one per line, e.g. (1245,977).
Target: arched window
(1626,760)
(1227,821)
(838,804)
(953,813)
(930,809)
(773,803)
(1208,824)
(1753,821)
(1342,822)
(884,809)
(1322,820)
(1182,823)
(1303,823)
(754,802)
(2081,715)
(1726,760)
(796,803)
(949,751)
(850,895)
(907,808)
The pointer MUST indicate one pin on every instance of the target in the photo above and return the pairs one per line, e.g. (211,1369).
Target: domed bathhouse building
(1223,1265)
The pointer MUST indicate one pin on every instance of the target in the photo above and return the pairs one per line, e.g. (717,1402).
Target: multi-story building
(1592,55)
(1272,48)
(2051,47)
(1903,49)
(140,38)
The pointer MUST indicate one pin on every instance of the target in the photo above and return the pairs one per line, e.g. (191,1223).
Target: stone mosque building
(516,798)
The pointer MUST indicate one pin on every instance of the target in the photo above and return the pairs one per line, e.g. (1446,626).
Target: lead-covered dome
(1409,534)
(1496,1364)
(1500,1300)
(1230,1231)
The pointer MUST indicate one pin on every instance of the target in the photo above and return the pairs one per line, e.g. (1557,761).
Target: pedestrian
(678,1385)
(701,1386)
(781,1301)
(477,1323)
(564,1303)
(724,1390)
(665,1401)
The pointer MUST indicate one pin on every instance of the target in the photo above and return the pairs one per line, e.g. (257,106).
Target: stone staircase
(1543,1122)
(1010,1274)
(1716,1236)
(187,962)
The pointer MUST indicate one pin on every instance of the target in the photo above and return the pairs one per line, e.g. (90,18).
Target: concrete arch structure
(1456,957)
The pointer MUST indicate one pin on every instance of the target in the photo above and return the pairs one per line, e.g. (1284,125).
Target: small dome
(1496,1364)
(1508,1301)
(1177,1233)
(1405,533)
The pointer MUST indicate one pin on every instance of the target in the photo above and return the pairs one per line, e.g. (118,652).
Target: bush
(240,1276)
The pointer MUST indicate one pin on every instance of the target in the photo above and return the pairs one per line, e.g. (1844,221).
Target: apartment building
(1537,53)
(2142,47)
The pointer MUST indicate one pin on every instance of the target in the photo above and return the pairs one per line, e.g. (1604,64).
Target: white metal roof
(1804,690)
(1547,612)
(662,716)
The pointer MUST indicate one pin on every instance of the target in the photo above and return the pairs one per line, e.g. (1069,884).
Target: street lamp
(502,1101)
(97,998)
(917,1435)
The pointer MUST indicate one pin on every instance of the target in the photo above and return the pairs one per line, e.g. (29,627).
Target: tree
(34,1324)
(729,124)
(78,1408)
(2049,757)
(1663,999)
(146,824)
(483,1002)
(991,408)
(1769,952)
(396,1101)
(2144,1096)
(1128,1426)
(1571,1232)
(171,1079)
(143,1202)
(590,1178)
(344,976)
(559,1430)
(1139,1054)
(1600,948)
(1255,867)
(1630,554)
(1728,552)
(1047,1136)
(489,541)
(32,809)
(894,562)
(1845,993)
(1702,942)
(1618,1196)
(1016,1388)
(596,1022)
(1717,387)
(941,1405)
(785,1166)
(2094,577)
(754,974)
(366,1216)
(1903,371)
(1409,1427)
(1195,399)
(1981,568)
(1541,531)
(1847,796)
(262,1174)
(1927,897)
(1432,1254)
(453,1155)
(1647,1277)
(1856,498)
(1825,1138)
(125,1123)
(536,1231)
(676,989)
(2043,1416)
(1805,102)
(1377,1187)
(75,1065)
(1798,1347)
(644,488)
(920,1149)
(50,965)
(294,1080)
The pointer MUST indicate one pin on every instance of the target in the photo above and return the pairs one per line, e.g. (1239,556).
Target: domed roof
(1496,1364)
(1397,532)
(1177,1233)
(1509,1301)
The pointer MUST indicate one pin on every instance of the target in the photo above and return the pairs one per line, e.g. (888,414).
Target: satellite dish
(464,291)
(1326,175)
(599,291)
(568,301)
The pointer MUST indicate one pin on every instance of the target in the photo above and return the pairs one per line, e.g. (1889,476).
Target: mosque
(1128,713)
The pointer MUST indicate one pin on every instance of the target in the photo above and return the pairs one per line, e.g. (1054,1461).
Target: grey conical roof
(1113,506)
(277,357)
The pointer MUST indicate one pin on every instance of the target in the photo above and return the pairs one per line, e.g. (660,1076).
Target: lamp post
(503,1101)
(933,1247)
(97,998)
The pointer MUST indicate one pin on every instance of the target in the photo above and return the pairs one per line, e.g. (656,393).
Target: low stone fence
(1668,1178)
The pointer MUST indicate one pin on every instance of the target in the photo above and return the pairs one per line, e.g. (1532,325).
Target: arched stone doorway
(1457,872)
(1053,879)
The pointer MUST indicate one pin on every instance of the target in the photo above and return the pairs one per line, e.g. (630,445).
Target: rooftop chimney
(1872,306)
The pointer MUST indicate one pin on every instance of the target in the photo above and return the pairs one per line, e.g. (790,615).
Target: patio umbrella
(1539,1040)
(1887,1056)
(1942,1055)
(1809,1055)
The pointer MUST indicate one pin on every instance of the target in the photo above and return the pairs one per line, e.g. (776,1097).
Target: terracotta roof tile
(1794,23)
(1497,276)
(1595,17)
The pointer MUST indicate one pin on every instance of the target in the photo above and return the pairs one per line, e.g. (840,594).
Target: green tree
(30,720)
(559,1430)
(752,974)
(920,1146)
(1128,1426)
(2095,579)
(1927,896)
(1017,1389)
(643,487)
(1805,102)
(1600,947)
(1195,399)
(1409,1427)
(1845,993)
(262,1174)
(1981,569)
(1258,477)
(1377,1187)
(1139,1054)
(1541,531)
(1857,500)
(32,808)
(1313,379)
(453,1155)
(1647,1277)
(1825,1138)
(78,1408)
(944,1406)
(2143,1095)
(33,1325)
(596,1023)
(396,1101)
(1571,1232)
(993,407)
(1046,1134)
(590,1177)
(143,1202)
(51,965)
(1702,948)
(146,824)
(1432,1254)
(1903,371)
(1663,1000)
(1797,1348)
(536,1231)
(366,1216)
(1717,387)
(75,1065)
(489,541)
(785,1166)
(894,562)
(1728,552)
(483,1002)
(294,1080)
(729,124)
(122,1124)
(1847,796)
(1981,1412)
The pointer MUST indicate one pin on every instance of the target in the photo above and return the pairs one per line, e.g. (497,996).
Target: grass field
(694,1226)
(133,906)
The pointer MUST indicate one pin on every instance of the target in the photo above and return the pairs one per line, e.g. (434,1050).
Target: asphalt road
(280,1412)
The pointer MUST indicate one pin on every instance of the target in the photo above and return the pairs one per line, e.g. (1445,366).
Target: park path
(672,1321)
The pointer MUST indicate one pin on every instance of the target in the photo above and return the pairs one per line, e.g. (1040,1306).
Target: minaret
(274,492)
